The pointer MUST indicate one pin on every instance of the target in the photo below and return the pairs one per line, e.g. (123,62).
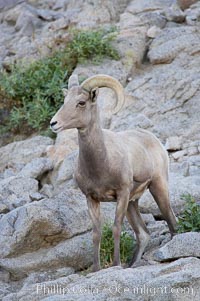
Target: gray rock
(193,15)
(43,223)
(182,245)
(192,20)
(184,4)
(173,143)
(9,172)
(75,253)
(11,16)
(3,208)
(24,151)
(154,18)
(36,196)
(48,15)
(97,12)
(148,218)
(194,170)
(7,4)
(66,169)
(180,154)
(158,282)
(3,54)
(189,144)
(56,26)
(4,289)
(4,275)
(180,168)
(194,165)
(60,4)
(36,168)
(192,151)
(128,119)
(47,190)
(144,19)
(71,184)
(15,191)
(27,21)
(171,42)
(28,28)
(158,228)
(38,277)
(153,31)
(131,44)
(175,14)
(165,106)
(159,235)
(139,6)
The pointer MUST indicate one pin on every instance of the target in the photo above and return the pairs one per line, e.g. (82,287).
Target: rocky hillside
(45,231)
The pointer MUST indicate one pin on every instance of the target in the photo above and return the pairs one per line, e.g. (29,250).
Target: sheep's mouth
(59,129)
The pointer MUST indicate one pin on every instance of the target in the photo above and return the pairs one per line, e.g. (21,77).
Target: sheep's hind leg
(140,229)
(94,212)
(159,191)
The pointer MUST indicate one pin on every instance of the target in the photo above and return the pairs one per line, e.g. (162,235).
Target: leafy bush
(189,220)
(93,45)
(35,90)
(127,244)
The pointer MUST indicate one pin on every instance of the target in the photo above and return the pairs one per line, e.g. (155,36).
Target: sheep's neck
(92,150)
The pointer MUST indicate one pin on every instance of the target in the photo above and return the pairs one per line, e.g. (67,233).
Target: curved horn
(73,81)
(102,80)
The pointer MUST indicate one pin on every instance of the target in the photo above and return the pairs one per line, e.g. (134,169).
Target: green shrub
(93,45)
(35,89)
(189,220)
(127,244)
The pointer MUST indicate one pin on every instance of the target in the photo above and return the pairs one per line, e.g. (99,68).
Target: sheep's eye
(82,104)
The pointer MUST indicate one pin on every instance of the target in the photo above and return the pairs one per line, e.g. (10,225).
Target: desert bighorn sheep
(114,166)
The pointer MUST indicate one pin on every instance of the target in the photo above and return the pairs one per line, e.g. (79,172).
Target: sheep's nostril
(53,123)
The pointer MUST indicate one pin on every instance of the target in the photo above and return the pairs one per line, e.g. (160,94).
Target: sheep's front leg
(94,212)
(122,204)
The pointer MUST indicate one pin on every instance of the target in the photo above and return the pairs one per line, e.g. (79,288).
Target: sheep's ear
(65,91)
(93,94)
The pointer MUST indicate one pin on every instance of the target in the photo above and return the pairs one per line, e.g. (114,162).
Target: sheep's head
(80,102)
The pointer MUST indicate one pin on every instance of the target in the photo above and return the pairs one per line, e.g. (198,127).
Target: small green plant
(189,220)
(127,244)
(93,45)
(35,89)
